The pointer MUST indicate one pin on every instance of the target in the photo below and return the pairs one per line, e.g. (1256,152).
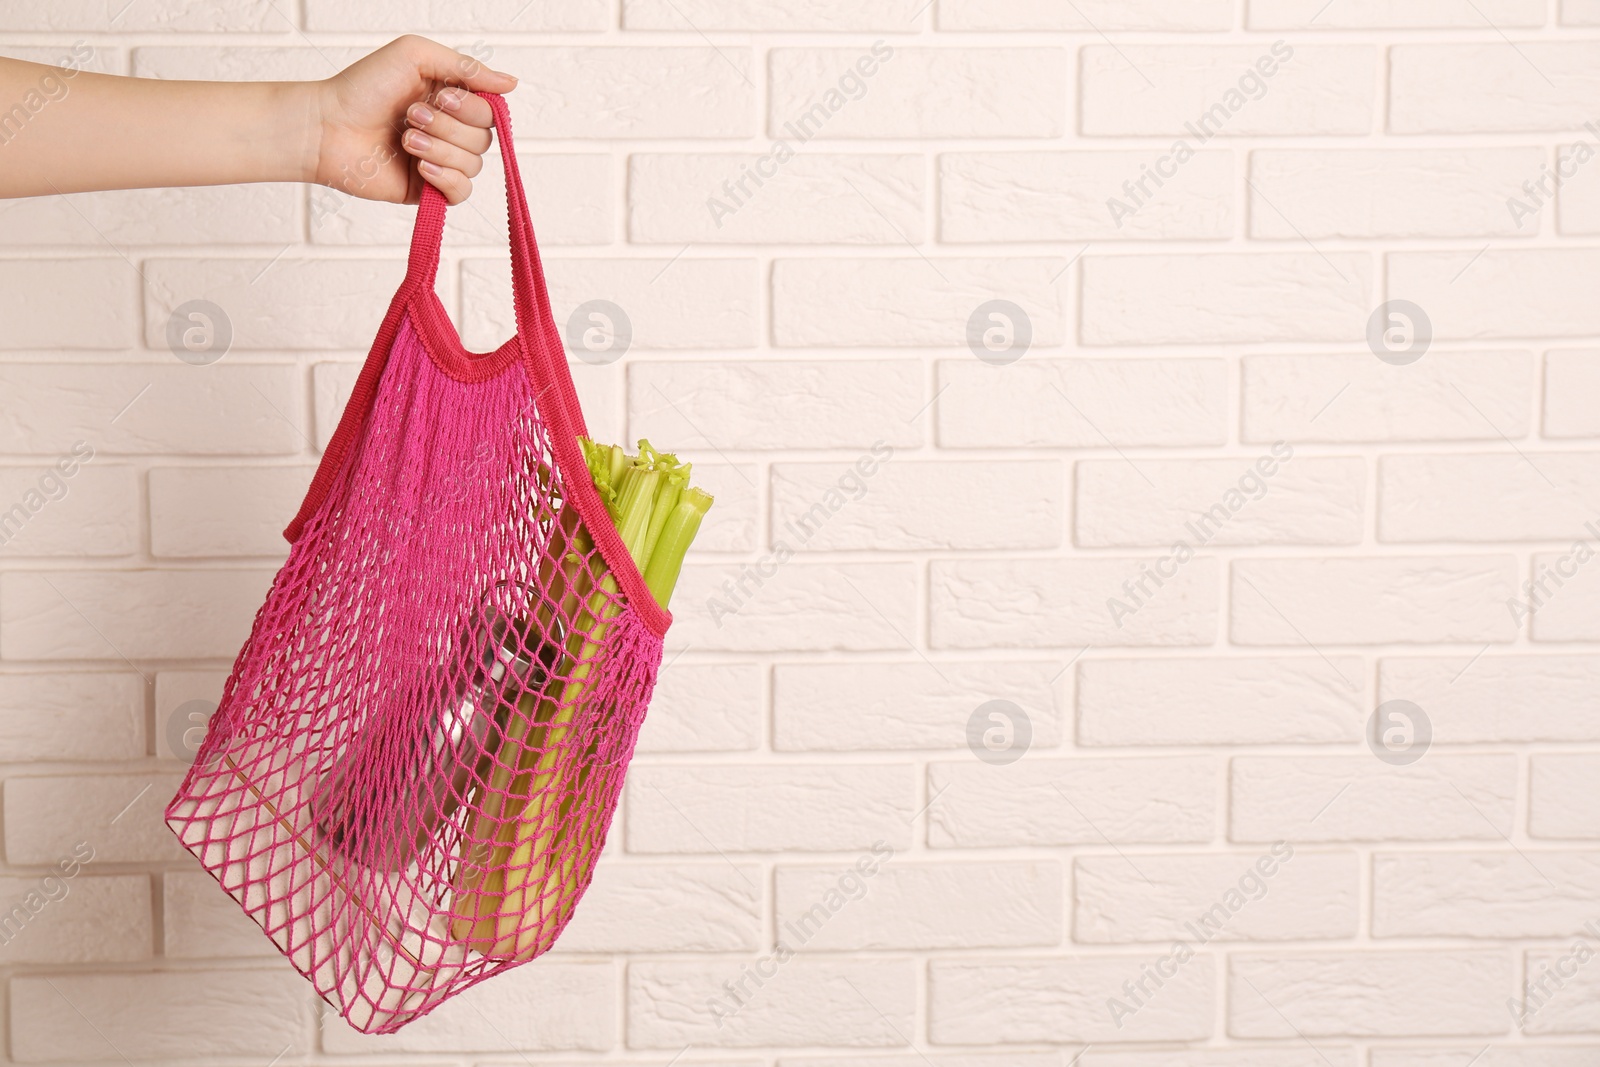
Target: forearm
(72,131)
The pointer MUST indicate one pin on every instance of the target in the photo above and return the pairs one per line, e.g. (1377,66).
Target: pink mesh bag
(421,745)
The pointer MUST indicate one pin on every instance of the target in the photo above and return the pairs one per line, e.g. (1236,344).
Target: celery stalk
(656,514)
(567,575)
(664,565)
(526,878)
(673,483)
(619,460)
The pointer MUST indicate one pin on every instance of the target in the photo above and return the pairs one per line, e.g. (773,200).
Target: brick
(1302,194)
(1220,701)
(827,15)
(905,504)
(815,606)
(600,388)
(1067,196)
(1357,798)
(1577,191)
(202,922)
(572,206)
(1498,699)
(704,707)
(730,808)
(1364,994)
(1504,293)
(1375,14)
(1489,87)
(683,907)
(93,511)
(683,303)
(1204,91)
(134,614)
(1266,499)
(204,16)
(152,1015)
(730,526)
(1483,894)
(1200,299)
(1082,403)
(807,1002)
(421,16)
(1056,603)
(778,404)
(749,198)
(920,1059)
(1580,13)
(80,55)
(913,302)
(1321,1055)
(223,214)
(1564,795)
(1362,601)
(1569,607)
(845,707)
(80,919)
(634,92)
(85,715)
(1454,396)
(905,905)
(179,727)
(1493,1056)
(1068,999)
(557,1005)
(1571,379)
(1539,496)
(1072,802)
(336,303)
(37,316)
(1557,1001)
(223,511)
(1090,15)
(826,93)
(118,815)
(133,408)
(331,385)
(1257,896)
(243,63)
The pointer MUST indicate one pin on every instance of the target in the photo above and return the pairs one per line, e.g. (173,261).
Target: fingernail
(432,170)
(450,99)
(419,141)
(421,115)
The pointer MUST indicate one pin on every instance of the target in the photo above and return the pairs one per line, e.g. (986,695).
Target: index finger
(446,65)
(467,107)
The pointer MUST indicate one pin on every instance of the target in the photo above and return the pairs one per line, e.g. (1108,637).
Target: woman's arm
(359,131)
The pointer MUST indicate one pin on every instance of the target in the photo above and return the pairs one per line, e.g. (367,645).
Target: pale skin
(404,115)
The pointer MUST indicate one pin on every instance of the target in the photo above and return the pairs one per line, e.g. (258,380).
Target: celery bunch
(524,806)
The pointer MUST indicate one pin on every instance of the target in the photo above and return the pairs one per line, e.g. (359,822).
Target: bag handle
(536,341)
(543,353)
(428,233)
(536,326)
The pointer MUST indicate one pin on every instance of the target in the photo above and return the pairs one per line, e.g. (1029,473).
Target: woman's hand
(411,100)
(358,131)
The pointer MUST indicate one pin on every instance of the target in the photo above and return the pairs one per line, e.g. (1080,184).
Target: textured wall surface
(1114,408)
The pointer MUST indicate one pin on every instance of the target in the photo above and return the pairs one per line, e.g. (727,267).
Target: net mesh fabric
(422,744)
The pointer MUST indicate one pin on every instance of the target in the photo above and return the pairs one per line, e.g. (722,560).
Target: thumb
(439,63)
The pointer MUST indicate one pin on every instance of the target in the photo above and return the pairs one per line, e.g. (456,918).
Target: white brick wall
(1195,530)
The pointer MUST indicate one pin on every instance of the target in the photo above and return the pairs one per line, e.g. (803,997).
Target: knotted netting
(421,745)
